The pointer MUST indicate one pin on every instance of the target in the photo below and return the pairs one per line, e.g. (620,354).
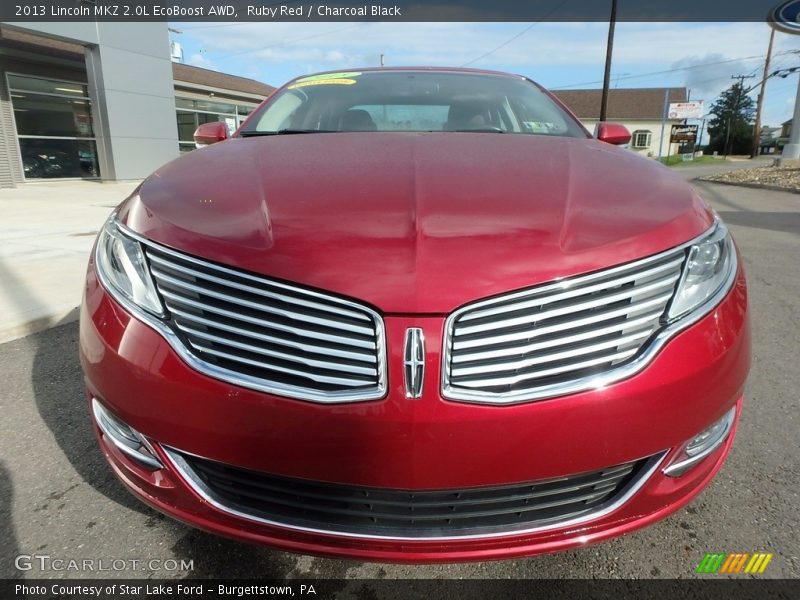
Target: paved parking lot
(58,497)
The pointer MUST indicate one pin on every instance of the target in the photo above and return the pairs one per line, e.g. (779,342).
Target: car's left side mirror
(612,133)
(210,133)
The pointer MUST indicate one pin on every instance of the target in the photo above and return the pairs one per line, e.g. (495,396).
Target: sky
(700,56)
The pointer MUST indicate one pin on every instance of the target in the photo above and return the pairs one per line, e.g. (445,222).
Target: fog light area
(701,445)
(124,437)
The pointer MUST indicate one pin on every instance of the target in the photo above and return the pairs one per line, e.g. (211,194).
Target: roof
(623,104)
(20,40)
(233,83)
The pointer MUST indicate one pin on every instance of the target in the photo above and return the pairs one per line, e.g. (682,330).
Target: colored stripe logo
(742,562)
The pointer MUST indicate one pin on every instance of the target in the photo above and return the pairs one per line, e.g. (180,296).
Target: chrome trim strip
(106,424)
(241,379)
(679,468)
(592,382)
(199,487)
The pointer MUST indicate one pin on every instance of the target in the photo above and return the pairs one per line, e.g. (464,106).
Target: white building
(639,109)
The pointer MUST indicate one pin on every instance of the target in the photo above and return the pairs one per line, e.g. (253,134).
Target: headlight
(123,270)
(709,269)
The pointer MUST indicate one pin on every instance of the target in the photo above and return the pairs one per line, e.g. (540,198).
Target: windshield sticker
(539,126)
(329,76)
(300,84)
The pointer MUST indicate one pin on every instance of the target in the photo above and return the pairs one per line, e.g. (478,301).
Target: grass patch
(676,160)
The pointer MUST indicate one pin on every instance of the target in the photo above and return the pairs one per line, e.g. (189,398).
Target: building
(640,109)
(104,101)
(768,140)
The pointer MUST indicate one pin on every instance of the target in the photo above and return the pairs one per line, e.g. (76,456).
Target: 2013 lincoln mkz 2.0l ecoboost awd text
(415,315)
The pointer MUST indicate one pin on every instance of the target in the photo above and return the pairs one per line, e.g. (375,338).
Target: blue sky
(700,56)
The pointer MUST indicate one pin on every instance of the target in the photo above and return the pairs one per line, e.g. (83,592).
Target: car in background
(415,315)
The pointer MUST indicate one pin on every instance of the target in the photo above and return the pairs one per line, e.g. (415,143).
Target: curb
(26,328)
(755,186)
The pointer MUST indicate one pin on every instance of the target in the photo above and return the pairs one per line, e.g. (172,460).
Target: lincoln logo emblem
(414,362)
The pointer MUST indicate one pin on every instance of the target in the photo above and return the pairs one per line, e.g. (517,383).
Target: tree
(730,128)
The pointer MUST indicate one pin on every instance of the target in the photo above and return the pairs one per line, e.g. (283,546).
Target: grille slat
(547,358)
(182,287)
(412,514)
(368,357)
(628,295)
(255,290)
(270,335)
(559,336)
(308,362)
(544,299)
(517,350)
(298,331)
(653,307)
(271,367)
(430,500)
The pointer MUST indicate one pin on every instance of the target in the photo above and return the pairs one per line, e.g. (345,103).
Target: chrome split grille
(275,336)
(406,514)
(555,338)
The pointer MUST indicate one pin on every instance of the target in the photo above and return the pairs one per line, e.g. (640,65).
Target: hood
(416,222)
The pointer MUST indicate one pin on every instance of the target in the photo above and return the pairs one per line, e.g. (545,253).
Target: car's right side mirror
(210,133)
(612,133)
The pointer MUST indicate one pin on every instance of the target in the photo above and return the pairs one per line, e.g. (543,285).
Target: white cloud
(198,60)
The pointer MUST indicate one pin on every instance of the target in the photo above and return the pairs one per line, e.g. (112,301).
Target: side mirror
(612,133)
(210,133)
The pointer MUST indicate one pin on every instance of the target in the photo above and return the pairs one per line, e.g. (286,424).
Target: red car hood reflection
(416,222)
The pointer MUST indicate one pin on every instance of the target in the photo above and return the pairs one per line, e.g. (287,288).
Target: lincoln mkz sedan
(415,315)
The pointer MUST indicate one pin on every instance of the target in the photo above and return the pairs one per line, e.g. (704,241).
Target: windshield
(412,101)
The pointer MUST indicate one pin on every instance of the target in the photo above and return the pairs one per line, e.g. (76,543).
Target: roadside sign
(686,110)
(682,134)
(786,17)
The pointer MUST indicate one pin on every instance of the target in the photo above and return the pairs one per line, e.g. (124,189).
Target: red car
(415,315)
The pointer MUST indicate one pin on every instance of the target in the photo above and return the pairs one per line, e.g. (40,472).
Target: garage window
(54,127)
(642,138)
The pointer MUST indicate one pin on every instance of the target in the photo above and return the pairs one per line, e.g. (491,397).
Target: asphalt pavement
(59,498)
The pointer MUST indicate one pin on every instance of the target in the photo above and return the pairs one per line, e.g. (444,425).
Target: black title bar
(398,10)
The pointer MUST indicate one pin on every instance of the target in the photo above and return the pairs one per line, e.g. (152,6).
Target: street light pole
(609,48)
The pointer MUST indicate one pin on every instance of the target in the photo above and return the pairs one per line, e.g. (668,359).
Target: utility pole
(609,48)
(739,92)
(761,93)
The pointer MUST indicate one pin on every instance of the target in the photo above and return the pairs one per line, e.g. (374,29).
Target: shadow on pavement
(60,397)
(9,550)
(784,222)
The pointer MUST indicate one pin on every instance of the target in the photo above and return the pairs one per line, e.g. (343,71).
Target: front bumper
(415,444)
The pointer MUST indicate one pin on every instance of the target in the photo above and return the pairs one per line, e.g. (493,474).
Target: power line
(666,71)
(516,36)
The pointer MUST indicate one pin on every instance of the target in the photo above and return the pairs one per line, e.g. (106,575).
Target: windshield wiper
(282,132)
(480,130)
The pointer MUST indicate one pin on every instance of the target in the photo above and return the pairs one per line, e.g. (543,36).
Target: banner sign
(686,110)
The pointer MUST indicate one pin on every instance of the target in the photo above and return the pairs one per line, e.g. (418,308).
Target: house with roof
(638,109)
